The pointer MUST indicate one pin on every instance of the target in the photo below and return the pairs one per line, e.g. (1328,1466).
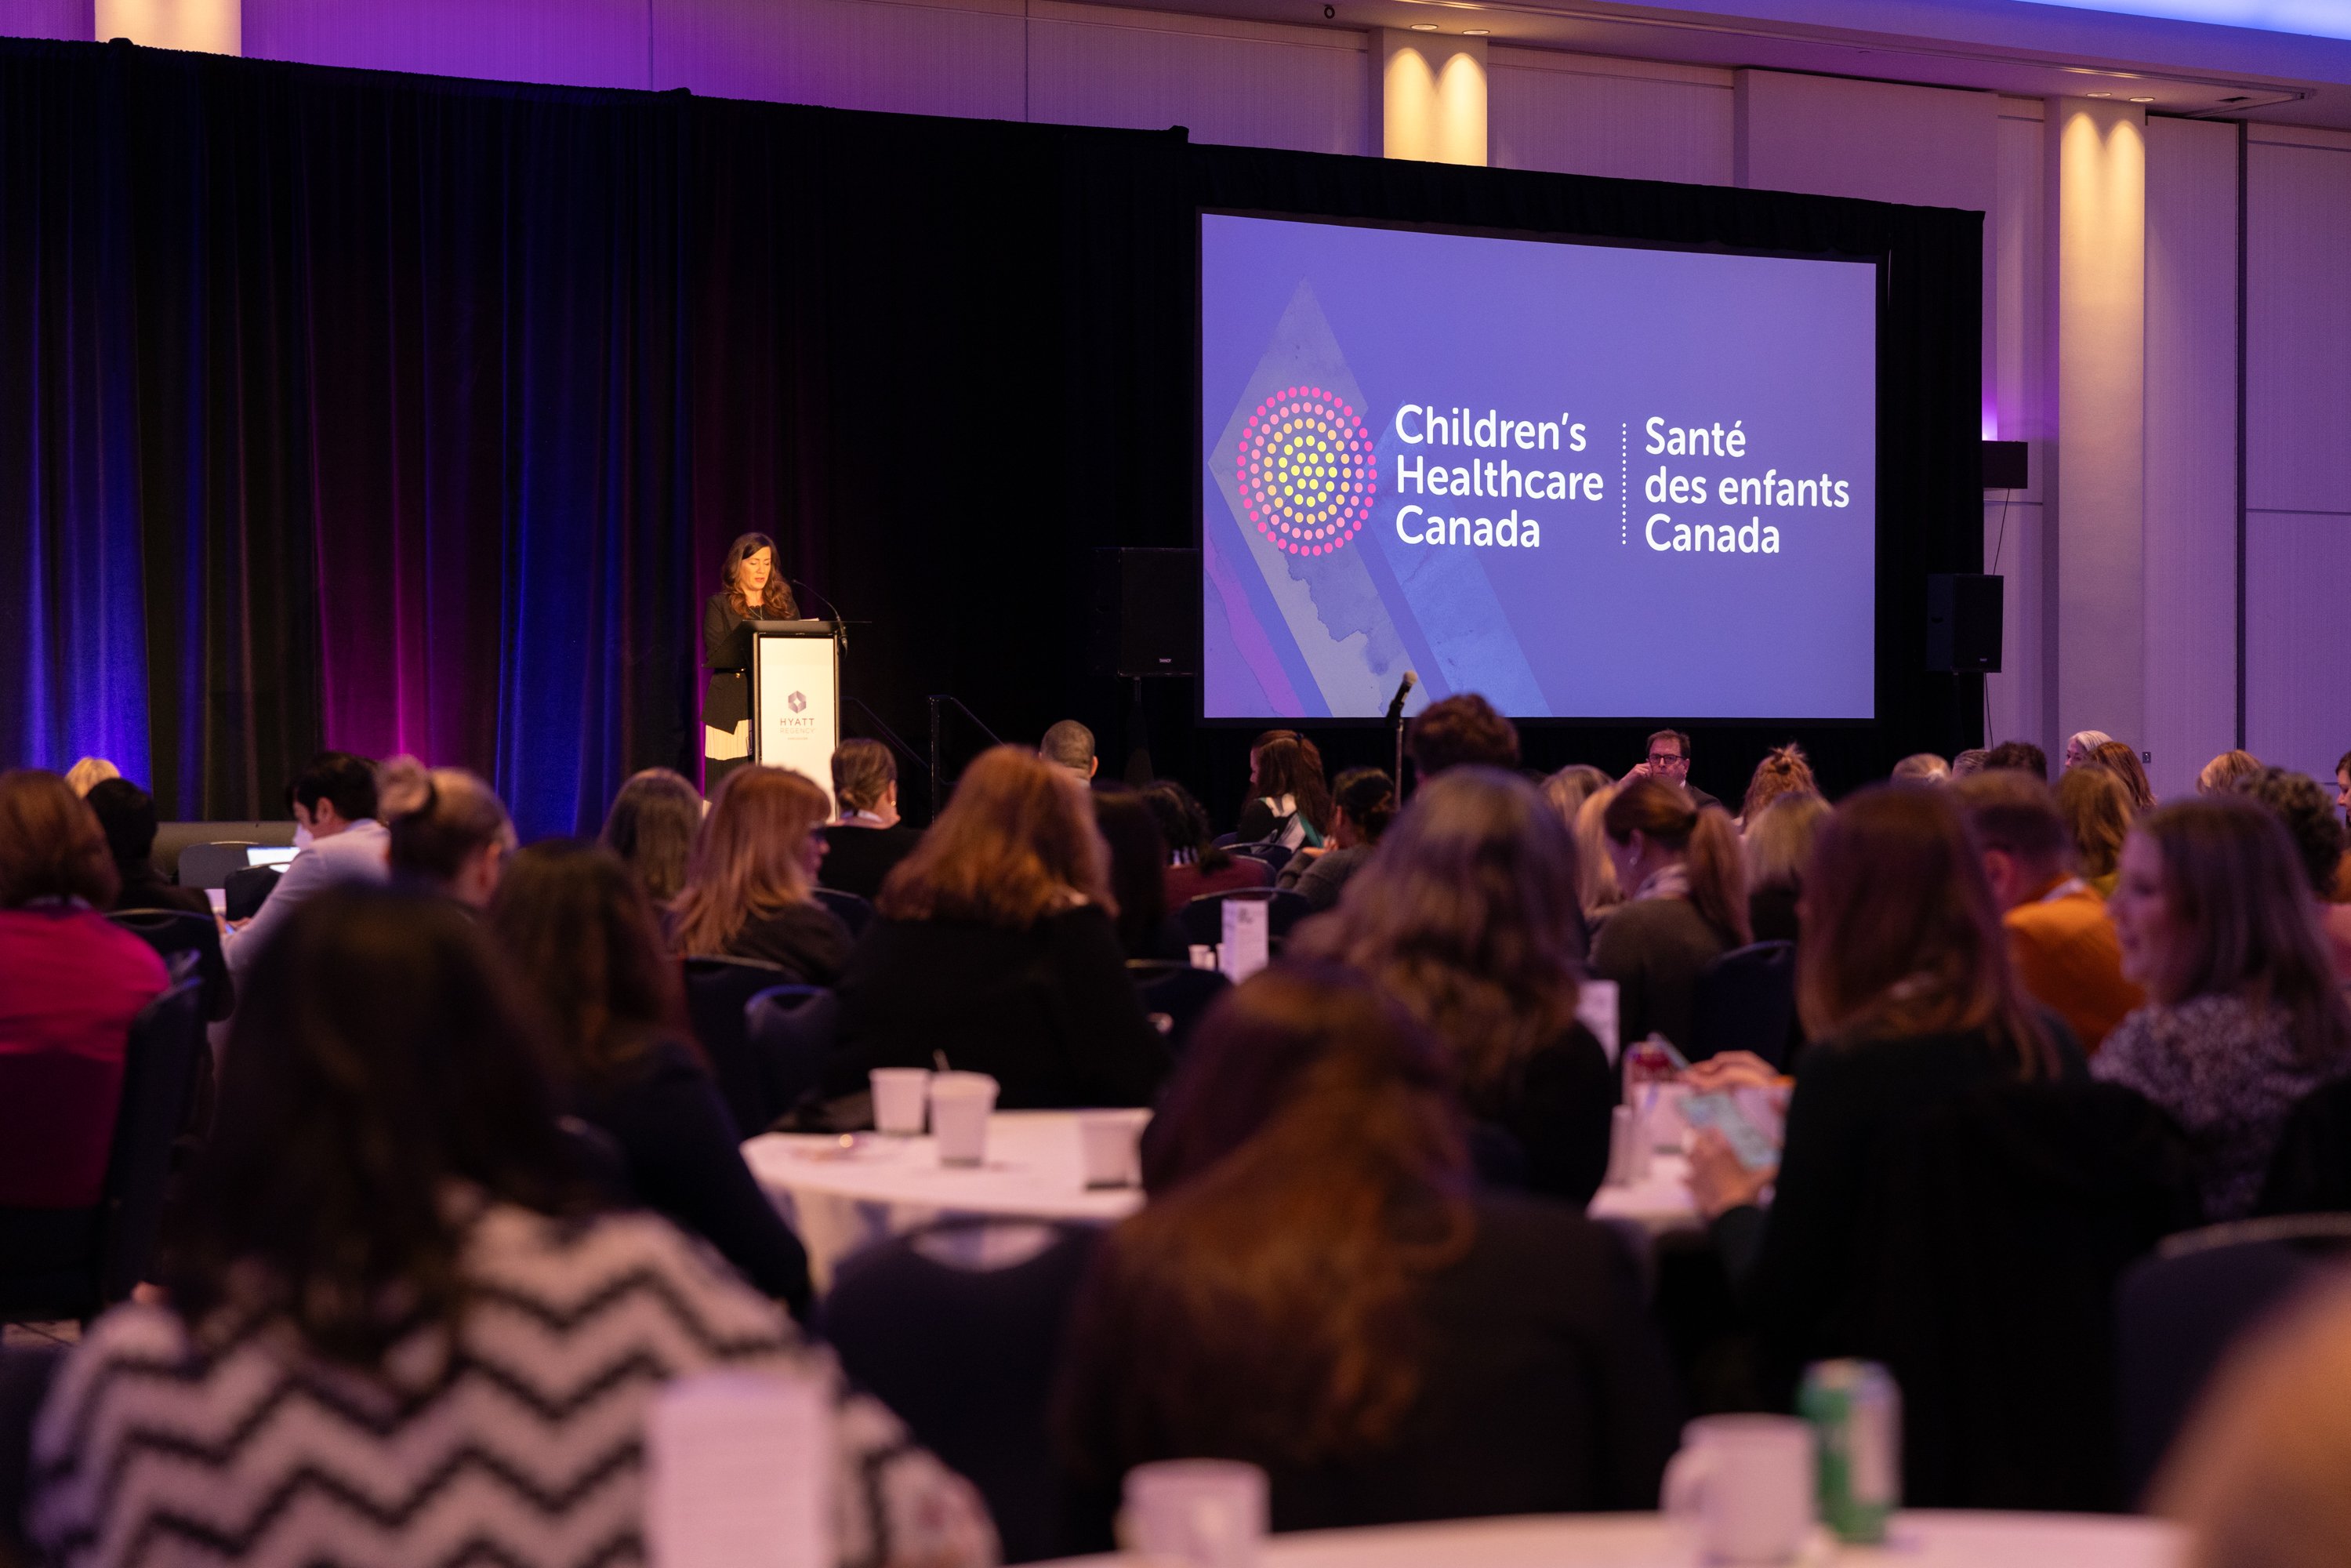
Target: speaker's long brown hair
(1901,935)
(746,857)
(1306,1172)
(776,603)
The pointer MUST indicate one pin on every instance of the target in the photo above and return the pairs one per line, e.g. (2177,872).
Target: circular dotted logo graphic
(1306,470)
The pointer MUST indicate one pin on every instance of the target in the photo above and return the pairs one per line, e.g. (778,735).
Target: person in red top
(70,984)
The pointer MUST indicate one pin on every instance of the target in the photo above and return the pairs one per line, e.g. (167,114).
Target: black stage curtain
(448,395)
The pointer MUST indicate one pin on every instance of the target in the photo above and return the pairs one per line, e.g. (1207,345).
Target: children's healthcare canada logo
(1305,470)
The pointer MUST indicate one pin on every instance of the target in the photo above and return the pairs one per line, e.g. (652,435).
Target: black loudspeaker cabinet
(1146,613)
(1963,624)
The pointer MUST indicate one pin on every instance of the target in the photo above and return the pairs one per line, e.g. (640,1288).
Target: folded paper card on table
(1249,931)
(740,1472)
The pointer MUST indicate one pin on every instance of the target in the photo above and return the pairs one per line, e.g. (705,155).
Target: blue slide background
(1593,623)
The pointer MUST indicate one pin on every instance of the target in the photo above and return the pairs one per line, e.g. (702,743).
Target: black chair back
(1176,995)
(2311,1171)
(1273,856)
(247,890)
(1746,1000)
(717,992)
(187,942)
(159,1085)
(2178,1313)
(1203,918)
(1994,1233)
(791,1031)
(958,1329)
(854,911)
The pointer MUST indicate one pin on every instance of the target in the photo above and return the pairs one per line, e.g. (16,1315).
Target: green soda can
(1856,1415)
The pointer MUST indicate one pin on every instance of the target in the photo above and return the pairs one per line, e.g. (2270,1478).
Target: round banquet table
(842,1192)
(1657,1203)
(1921,1539)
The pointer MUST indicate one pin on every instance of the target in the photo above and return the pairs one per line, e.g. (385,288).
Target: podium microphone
(839,627)
(1404,690)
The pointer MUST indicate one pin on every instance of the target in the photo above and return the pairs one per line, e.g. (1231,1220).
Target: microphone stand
(839,627)
(1396,725)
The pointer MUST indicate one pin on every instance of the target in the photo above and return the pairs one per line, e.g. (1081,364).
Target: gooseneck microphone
(1404,690)
(839,626)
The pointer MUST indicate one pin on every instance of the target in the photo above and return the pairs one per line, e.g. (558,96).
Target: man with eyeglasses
(1669,759)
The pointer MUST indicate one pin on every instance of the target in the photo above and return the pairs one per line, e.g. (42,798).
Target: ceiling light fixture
(1424,27)
(2101,95)
(1476,32)
(2143,100)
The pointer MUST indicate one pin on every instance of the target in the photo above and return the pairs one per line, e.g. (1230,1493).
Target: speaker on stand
(1144,624)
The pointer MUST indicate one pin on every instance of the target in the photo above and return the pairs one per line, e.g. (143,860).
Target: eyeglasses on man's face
(1668,760)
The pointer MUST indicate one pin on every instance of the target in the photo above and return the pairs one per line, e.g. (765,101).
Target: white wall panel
(966,60)
(2017,699)
(2298,323)
(1572,114)
(1248,84)
(2191,448)
(2298,583)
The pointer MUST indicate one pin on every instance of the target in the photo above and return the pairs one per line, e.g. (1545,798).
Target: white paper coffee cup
(960,1103)
(900,1094)
(1109,1146)
(1201,1513)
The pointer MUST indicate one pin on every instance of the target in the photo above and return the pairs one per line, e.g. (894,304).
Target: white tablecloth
(839,1194)
(1658,1202)
(1920,1540)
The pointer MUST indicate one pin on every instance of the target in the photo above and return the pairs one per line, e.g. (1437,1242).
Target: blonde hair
(746,857)
(1018,842)
(1783,771)
(2096,806)
(1571,787)
(1779,840)
(2261,1477)
(2220,776)
(1922,767)
(88,773)
(1595,873)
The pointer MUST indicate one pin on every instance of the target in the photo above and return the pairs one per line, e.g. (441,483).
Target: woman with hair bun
(1686,906)
(448,830)
(1363,804)
(1784,770)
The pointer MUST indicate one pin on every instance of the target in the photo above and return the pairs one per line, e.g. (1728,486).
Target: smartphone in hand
(1756,1149)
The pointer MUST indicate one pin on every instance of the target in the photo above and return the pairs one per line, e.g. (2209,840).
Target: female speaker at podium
(750,588)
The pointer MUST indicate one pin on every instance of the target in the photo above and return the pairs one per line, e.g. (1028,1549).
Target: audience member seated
(2082,747)
(2061,939)
(2220,776)
(748,884)
(446,830)
(1922,767)
(1071,744)
(1686,906)
(2021,755)
(2342,792)
(1571,787)
(868,838)
(383,1246)
(1462,731)
(88,773)
(1468,917)
(1289,803)
(651,827)
(2096,807)
(2299,801)
(1595,884)
(1777,845)
(1197,865)
(995,949)
(1784,770)
(2125,764)
(127,814)
(1668,758)
(1969,762)
(2245,1016)
(1317,1286)
(1360,808)
(335,811)
(1138,874)
(581,938)
(2261,1477)
(70,984)
(1903,981)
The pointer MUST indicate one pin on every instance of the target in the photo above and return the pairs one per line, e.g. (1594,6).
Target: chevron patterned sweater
(517,1443)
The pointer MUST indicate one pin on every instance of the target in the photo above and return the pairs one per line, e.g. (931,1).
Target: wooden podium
(794,673)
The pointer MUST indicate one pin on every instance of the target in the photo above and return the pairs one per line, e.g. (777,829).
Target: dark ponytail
(1718,876)
(1368,797)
